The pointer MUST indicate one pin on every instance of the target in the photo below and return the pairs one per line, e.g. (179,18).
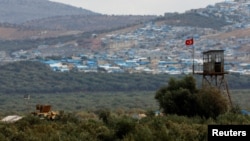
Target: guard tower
(213,71)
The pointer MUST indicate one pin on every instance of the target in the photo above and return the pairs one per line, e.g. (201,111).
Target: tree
(212,103)
(181,97)
(178,97)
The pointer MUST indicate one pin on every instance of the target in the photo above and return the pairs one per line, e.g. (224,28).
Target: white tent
(11,118)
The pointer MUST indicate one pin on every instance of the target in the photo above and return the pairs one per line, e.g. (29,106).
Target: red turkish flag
(189,42)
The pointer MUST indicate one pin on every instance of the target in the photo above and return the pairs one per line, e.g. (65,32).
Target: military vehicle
(44,112)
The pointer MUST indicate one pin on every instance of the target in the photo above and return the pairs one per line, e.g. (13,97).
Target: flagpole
(193,52)
(193,58)
(190,42)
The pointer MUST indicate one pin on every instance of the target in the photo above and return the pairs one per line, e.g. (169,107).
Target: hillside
(30,20)
(22,33)
(194,20)
(87,23)
(239,33)
(34,77)
(67,25)
(19,11)
(72,24)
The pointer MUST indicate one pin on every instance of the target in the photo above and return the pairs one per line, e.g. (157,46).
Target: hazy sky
(139,7)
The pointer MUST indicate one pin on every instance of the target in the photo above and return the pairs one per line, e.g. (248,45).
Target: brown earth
(240,33)
(12,33)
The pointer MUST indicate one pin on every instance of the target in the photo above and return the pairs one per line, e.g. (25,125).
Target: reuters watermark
(239,132)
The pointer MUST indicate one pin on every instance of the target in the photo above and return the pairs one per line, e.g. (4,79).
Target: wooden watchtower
(213,71)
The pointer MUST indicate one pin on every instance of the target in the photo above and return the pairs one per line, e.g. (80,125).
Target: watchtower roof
(212,51)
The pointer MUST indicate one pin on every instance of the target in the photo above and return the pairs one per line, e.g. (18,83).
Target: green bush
(212,103)
(119,128)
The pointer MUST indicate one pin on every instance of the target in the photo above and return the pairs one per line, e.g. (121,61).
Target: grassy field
(241,97)
(75,102)
(79,101)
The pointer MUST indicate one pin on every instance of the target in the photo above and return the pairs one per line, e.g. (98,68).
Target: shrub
(211,102)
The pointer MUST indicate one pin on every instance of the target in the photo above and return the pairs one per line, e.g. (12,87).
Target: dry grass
(239,33)
(12,33)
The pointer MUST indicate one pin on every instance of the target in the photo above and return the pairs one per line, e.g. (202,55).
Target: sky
(139,7)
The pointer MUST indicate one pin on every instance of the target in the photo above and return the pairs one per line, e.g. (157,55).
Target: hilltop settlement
(154,46)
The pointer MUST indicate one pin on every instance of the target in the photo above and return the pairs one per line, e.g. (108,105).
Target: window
(217,58)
